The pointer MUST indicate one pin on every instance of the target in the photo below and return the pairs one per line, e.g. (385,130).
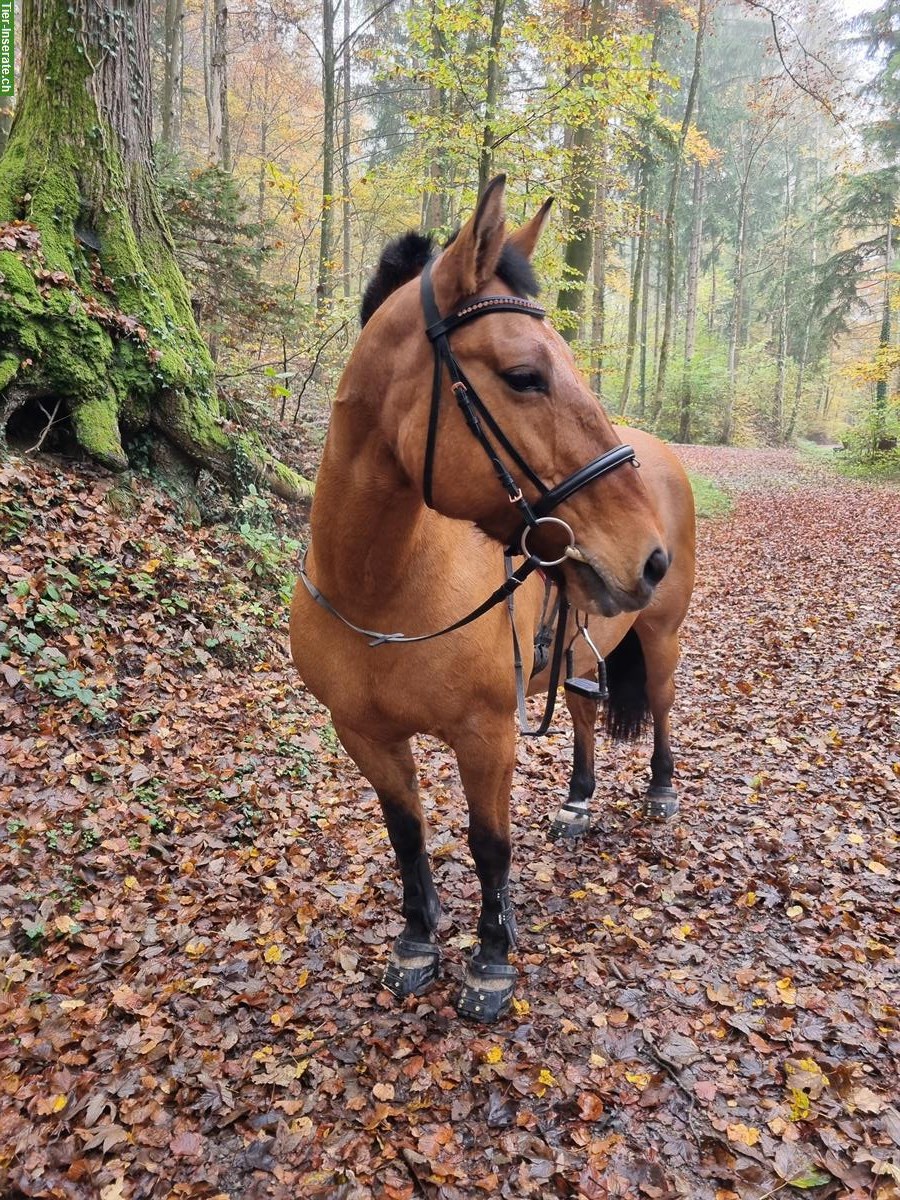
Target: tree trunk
(734,328)
(711,311)
(674,189)
(435,209)
(492,90)
(646,176)
(781,378)
(95,311)
(826,391)
(690,327)
(641,255)
(172,74)
(207,70)
(807,330)
(879,422)
(324,280)
(579,251)
(645,324)
(345,152)
(598,318)
(6,116)
(217,98)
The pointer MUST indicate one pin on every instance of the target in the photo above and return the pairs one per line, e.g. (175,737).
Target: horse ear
(471,260)
(526,237)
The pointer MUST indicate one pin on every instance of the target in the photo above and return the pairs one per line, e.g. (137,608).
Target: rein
(477,417)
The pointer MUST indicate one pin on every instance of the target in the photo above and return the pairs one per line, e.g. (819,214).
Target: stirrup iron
(577,685)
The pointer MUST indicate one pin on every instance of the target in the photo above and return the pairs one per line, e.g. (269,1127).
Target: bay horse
(414,499)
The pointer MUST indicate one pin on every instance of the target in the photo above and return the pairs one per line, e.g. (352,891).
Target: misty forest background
(722,256)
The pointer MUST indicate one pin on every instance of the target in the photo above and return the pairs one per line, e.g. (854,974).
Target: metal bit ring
(555,562)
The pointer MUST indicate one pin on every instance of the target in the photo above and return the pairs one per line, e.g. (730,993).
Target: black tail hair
(627,709)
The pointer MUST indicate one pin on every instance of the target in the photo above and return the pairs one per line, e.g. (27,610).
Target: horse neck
(366,519)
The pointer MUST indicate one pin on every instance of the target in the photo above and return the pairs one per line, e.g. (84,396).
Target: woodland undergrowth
(197,892)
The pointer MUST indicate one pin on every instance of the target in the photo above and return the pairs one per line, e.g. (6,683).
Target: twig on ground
(51,421)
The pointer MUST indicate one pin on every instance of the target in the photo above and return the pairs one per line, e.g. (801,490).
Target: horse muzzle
(591,589)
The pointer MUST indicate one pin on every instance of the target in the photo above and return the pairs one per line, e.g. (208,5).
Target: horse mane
(405,257)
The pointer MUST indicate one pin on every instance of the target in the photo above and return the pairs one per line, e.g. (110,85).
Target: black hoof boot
(572,821)
(412,969)
(660,803)
(487,990)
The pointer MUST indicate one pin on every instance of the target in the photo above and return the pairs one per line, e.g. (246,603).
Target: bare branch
(808,54)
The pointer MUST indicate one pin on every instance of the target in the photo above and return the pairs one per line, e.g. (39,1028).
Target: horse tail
(627,708)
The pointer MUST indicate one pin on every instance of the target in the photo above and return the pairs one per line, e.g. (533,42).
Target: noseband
(478,416)
(479,420)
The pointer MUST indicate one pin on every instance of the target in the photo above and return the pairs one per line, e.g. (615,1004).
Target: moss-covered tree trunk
(94,310)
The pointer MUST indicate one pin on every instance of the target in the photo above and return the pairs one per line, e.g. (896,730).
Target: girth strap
(562,619)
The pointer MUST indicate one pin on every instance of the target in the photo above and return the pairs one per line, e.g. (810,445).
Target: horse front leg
(486,760)
(572,820)
(414,962)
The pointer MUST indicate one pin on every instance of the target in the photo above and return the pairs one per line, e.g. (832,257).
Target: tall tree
(777,424)
(324,282)
(765,112)
(217,91)
(173,59)
(598,293)
(587,134)
(645,172)
(669,226)
(94,311)
(491,95)
(346,92)
(693,283)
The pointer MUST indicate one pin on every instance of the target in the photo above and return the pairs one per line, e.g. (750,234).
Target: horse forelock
(405,257)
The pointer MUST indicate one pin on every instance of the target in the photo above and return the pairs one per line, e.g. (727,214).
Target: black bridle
(479,419)
(534,514)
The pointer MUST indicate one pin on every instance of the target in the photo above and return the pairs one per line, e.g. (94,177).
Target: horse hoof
(487,991)
(660,803)
(571,821)
(412,968)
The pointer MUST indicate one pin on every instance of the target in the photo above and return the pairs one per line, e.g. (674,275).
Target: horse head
(536,412)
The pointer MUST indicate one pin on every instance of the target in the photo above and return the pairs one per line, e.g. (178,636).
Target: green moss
(62,170)
(9,368)
(96,424)
(287,483)
(19,281)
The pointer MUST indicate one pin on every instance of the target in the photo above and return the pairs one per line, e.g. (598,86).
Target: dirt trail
(197,894)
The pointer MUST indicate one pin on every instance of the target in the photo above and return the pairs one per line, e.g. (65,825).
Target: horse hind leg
(486,759)
(660,653)
(572,819)
(414,962)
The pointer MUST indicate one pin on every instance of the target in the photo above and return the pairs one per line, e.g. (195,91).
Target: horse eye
(525,381)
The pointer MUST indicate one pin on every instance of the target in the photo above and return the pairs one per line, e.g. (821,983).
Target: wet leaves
(197,890)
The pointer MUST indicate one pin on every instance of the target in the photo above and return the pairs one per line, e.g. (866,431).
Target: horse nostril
(656,566)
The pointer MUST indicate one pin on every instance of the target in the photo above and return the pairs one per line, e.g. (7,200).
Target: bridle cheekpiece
(482,425)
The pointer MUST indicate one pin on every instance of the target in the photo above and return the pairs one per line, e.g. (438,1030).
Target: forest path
(198,895)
